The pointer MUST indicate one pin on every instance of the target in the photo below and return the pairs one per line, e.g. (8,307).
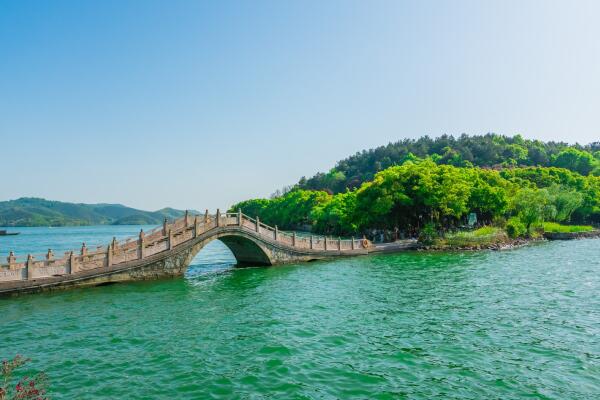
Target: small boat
(5,233)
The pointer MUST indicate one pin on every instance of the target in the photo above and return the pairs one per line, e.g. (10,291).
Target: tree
(289,211)
(575,160)
(531,206)
(565,202)
(515,154)
(336,216)
(489,194)
(252,207)
(405,195)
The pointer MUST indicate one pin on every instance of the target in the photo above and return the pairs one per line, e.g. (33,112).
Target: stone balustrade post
(170,240)
(84,249)
(72,264)
(141,244)
(196,226)
(29,266)
(186,218)
(164,230)
(12,259)
(276,232)
(206,216)
(240,221)
(49,255)
(325,242)
(293,239)
(109,255)
(311,242)
(218,217)
(352,245)
(339,243)
(257,224)
(115,245)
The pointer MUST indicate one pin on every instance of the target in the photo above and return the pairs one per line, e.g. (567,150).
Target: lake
(521,323)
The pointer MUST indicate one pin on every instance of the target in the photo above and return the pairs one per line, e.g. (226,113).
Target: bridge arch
(247,250)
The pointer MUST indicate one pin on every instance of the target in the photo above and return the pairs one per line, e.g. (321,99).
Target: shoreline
(509,245)
(515,243)
(572,235)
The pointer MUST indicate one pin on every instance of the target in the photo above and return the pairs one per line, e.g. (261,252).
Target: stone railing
(292,239)
(160,239)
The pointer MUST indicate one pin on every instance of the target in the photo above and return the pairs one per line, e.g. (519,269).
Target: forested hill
(489,150)
(41,212)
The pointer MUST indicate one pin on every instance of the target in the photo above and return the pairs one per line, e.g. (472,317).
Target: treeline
(424,192)
(489,150)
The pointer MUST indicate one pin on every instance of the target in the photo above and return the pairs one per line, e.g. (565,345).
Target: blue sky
(198,105)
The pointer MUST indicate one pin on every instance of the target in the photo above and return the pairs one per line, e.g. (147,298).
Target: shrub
(499,221)
(515,228)
(27,388)
(428,234)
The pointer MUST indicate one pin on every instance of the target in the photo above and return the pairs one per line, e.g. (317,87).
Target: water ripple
(511,324)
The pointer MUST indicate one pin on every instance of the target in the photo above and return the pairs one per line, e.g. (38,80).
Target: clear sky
(194,104)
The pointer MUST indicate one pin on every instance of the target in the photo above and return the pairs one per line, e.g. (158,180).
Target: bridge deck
(168,241)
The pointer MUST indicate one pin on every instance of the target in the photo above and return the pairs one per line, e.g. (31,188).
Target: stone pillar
(311,242)
(339,243)
(170,240)
(115,245)
(84,249)
(325,242)
(109,255)
(206,216)
(72,264)
(11,259)
(218,217)
(352,246)
(240,221)
(186,219)
(29,266)
(164,231)
(276,232)
(196,226)
(141,244)
(294,239)
(49,255)
(257,224)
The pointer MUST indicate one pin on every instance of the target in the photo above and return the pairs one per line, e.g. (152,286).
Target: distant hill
(28,211)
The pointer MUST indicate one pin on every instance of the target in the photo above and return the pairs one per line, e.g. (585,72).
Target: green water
(523,323)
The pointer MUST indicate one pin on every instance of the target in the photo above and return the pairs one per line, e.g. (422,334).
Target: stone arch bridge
(167,251)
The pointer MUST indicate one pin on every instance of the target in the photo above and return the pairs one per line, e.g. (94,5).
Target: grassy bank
(496,237)
(486,236)
(553,227)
